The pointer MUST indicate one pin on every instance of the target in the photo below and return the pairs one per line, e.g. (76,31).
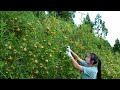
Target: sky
(112,22)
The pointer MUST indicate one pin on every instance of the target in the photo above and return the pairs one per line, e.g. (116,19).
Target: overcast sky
(111,18)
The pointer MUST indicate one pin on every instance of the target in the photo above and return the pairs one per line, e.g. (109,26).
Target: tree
(104,30)
(37,13)
(99,27)
(88,21)
(97,24)
(116,47)
(66,15)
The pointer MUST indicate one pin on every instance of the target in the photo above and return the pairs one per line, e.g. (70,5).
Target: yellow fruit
(46,61)
(36,61)
(53,33)
(42,58)
(10,58)
(21,47)
(32,76)
(14,33)
(60,51)
(48,28)
(29,24)
(34,55)
(6,45)
(38,21)
(108,73)
(24,39)
(5,62)
(42,47)
(50,55)
(6,53)
(46,72)
(49,43)
(12,67)
(34,28)
(35,46)
(18,29)
(41,66)
(36,72)
(15,18)
(45,67)
(30,52)
(15,51)
(25,49)
(46,53)
(54,48)
(10,47)
(62,30)
(32,58)
(56,66)
(65,37)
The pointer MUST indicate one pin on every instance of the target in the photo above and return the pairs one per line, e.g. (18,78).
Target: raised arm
(76,56)
(76,65)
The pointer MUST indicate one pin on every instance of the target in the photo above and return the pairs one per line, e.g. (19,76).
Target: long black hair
(96,60)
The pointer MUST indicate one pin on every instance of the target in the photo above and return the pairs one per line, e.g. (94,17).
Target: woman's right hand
(69,55)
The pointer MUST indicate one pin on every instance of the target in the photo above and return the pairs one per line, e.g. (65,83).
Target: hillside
(33,47)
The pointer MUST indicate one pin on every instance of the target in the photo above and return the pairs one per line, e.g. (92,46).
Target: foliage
(33,47)
(116,47)
(88,21)
(66,15)
(99,27)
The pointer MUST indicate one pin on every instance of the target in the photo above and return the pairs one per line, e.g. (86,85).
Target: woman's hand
(75,56)
(69,55)
(68,48)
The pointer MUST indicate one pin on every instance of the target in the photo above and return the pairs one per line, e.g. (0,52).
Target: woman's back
(89,72)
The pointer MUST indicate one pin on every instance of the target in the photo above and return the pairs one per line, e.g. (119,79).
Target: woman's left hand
(68,48)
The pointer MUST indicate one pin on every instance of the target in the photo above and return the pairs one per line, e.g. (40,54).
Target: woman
(87,68)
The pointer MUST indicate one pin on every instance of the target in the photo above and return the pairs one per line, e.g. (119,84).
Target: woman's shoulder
(93,68)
